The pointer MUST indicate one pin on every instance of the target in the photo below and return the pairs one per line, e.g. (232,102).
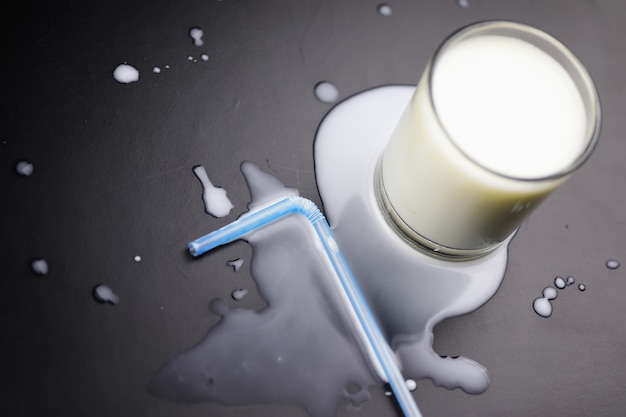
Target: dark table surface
(113,179)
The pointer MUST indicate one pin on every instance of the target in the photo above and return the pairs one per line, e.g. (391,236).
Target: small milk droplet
(570,280)
(156,70)
(559,282)
(411,384)
(326,92)
(104,294)
(125,74)
(542,307)
(582,287)
(24,168)
(612,264)
(137,258)
(549,293)
(384,9)
(196,34)
(239,294)
(216,202)
(39,266)
(189,58)
(204,57)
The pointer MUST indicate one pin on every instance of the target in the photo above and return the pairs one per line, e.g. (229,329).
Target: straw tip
(193,248)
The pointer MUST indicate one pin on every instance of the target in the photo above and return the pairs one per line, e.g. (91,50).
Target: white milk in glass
(494,126)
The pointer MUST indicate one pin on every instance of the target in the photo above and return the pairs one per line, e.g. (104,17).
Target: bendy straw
(369,330)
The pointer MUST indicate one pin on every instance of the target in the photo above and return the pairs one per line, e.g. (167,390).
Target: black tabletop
(97,182)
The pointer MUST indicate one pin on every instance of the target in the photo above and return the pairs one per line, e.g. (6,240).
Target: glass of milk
(503,114)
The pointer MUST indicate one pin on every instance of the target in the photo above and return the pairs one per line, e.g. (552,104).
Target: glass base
(415,239)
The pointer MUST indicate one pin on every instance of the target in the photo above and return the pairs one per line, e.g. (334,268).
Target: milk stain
(612,264)
(408,291)
(300,349)
(216,202)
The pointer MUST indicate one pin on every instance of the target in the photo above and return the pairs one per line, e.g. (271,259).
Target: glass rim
(575,69)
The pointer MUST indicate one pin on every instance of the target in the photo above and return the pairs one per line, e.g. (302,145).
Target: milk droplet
(204,57)
(24,168)
(104,294)
(39,266)
(236,264)
(156,70)
(125,74)
(167,67)
(196,34)
(570,280)
(559,282)
(384,9)
(137,258)
(612,264)
(388,393)
(582,287)
(216,203)
(239,294)
(549,293)
(542,305)
(326,92)
(411,384)
(464,4)
(189,58)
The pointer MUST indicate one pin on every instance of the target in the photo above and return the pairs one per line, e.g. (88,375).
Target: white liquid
(582,287)
(216,202)
(104,294)
(239,294)
(125,74)
(408,291)
(156,70)
(542,304)
(204,57)
(326,92)
(137,258)
(236,264)
(301,349)
(384,9)
(24,168)
(570,280)
(612,264)
(560,283)
(505,106)
(196,34)
(39,266)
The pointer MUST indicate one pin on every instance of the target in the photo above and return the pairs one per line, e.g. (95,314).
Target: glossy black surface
(113,179)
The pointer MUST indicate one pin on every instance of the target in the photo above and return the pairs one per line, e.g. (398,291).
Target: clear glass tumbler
(503,114)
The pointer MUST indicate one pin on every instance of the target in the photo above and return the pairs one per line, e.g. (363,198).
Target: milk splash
(300,349)
(216,203)
(409,292)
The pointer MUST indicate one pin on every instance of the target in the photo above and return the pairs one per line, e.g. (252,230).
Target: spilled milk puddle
(300,349)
